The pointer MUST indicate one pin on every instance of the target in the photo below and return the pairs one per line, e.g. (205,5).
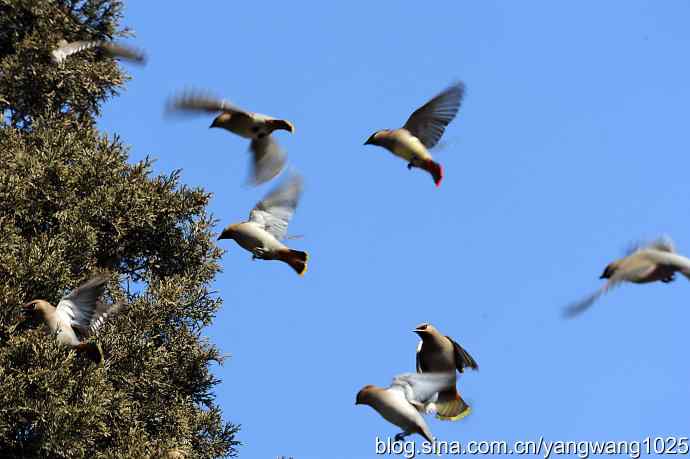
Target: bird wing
(423,387)
(198,101)
(666,258)
(578,307)
(429,121)
(462,358)
(268,159)
(103,311)
(124,52)
(663,243)
(274,212)
(79,306)
(65,50)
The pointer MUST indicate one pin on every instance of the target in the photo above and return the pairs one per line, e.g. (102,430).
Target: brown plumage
(439,353)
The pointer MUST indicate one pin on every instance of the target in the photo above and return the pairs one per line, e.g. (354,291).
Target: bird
(78,316)
(408,397)
(439,353)
(65,49)
(267,226)
(268,157)
(643,263)
(422,131)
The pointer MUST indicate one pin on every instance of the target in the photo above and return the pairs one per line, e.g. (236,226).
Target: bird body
(250,125)
(252,236)
(438,353)
(392,404)
(406,399)
(267,225)
(78,315)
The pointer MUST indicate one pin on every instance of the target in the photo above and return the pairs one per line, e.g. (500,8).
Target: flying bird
(406,399)
(439,353)
(77,316)
(422,131)
(64,50)
(267,226)
(657,261)
(268,158)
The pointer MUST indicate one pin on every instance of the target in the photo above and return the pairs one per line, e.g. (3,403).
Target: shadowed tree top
(31,83)
(71,207)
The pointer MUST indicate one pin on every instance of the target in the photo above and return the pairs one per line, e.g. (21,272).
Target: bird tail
(434,168)
(92,350)
(296,259)
(453,409)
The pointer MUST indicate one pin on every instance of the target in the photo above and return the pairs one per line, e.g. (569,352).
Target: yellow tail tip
(463,414)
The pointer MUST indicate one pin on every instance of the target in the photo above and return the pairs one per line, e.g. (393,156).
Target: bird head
(375,138)
(229,232)
(363,396)
(284,125)
(220,120)
(35,306)
(424,329)
(609,271)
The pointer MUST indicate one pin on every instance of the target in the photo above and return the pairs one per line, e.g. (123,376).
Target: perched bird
(657,261)
(422,131)
(439,353)
(77,316)
(268,158)
(267,225)
(65,50)
(406,399)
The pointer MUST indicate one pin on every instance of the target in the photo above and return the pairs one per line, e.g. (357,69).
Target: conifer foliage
(72,206)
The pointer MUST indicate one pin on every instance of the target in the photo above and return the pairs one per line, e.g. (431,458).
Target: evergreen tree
(71,206)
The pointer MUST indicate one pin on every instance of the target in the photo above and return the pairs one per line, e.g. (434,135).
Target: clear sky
(572,141)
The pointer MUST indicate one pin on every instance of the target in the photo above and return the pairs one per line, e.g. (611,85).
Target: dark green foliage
(71,206)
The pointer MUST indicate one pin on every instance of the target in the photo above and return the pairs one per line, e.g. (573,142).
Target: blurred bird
(268,158)
(657,261)
(267,225)
(402,402)
(422,131)
(77,316)
(65,50)
(439,353)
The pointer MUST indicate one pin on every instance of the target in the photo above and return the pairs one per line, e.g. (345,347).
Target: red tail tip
(439,177)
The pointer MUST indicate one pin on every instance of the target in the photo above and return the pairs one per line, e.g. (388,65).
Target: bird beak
(367,142)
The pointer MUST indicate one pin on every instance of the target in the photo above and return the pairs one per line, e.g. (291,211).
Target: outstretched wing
(102,313)
(275,211)
(64,50)
(663,244)
(423,387)
(463,359)
(429,122)
(268,159)
(577,308)
(79,306)
(199,101)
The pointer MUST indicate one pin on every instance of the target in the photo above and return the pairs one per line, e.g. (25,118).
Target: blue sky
(572,141)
